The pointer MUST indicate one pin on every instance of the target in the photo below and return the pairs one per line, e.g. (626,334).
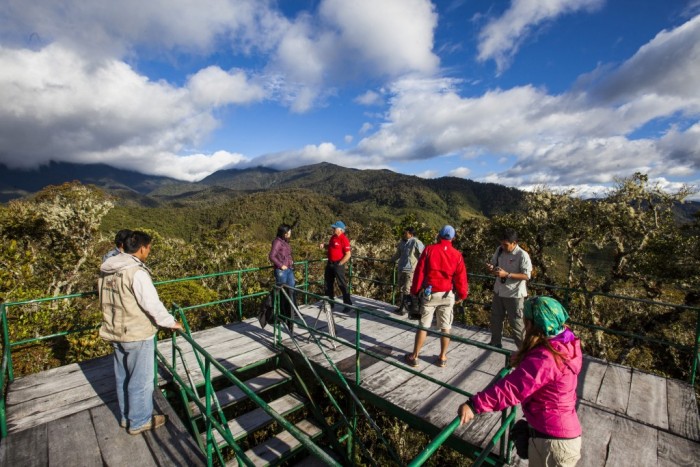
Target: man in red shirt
(440,269)
(338,248)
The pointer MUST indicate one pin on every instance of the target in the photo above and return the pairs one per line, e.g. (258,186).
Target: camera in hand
(503,279)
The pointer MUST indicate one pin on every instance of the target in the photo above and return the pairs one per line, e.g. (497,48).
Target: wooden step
(280,446)
(256,419)
(233,394)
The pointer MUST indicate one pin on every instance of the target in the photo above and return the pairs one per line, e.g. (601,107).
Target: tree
(58,229)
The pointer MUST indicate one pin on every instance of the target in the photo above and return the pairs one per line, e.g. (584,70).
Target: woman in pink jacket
(544,381)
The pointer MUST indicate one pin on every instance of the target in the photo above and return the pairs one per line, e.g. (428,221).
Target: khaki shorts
(554,452)
(441,304)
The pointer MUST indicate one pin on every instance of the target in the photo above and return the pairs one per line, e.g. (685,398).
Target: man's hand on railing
(465,414)
(177,327)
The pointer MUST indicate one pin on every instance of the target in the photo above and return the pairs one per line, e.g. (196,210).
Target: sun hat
(338,225)
(447,232)
(547,314)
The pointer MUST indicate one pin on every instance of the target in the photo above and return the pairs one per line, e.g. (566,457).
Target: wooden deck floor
(70,411)
(629,417)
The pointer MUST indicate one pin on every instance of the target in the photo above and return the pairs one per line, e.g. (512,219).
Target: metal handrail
(8,371)
(359,349)
(356,400)
(210,361)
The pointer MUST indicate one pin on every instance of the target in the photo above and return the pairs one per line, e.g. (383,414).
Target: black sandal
(410,361)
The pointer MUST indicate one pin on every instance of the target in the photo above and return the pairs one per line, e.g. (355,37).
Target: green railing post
(207,405)
(694,368)
(7,344)
(306,281)
(433,446)
(6,361)
(240,302)
(394,279)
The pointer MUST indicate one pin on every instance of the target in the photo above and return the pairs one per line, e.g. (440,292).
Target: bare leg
(444,342)
(420,340)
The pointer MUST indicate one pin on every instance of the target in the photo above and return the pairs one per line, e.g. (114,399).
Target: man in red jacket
(442,271)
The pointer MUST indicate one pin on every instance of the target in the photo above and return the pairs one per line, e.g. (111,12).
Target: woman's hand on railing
(465,414)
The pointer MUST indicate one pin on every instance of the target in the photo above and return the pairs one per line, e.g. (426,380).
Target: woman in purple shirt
(281,258)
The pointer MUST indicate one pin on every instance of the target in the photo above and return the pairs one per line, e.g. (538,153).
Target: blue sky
(570,94)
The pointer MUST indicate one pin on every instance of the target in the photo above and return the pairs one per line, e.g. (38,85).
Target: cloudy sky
(565,93)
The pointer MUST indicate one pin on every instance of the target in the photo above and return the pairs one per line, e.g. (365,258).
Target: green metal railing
(567,295)
(357,273)
(218,422)
(360,350)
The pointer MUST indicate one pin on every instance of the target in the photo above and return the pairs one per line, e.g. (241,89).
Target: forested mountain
(242,196)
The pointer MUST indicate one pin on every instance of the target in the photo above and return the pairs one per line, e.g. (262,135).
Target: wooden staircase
(251,427)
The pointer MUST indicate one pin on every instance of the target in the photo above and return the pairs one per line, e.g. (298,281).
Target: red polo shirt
(338,245)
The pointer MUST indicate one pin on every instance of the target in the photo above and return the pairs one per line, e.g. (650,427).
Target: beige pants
(554,452)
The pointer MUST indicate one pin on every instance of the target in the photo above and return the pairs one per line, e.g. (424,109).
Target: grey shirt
(517,262)
(408,252)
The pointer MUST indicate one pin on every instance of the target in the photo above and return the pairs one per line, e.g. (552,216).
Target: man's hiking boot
(156,422)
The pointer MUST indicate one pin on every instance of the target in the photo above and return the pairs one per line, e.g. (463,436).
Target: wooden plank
(479,429)
(233,394)
(45,384)
(683,418)
(255,419)
(648,400)
(590,379)
(231,363)
(395,377)
(104,388)
(417,393)
(632,443)
(59,373)
(118,448)
(676,451)
(54,414)
(72,441)
(271,450)
(615,388)
(171,444)
(26,448)
(597,426)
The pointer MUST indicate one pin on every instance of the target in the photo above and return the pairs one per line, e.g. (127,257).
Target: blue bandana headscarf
(547,314)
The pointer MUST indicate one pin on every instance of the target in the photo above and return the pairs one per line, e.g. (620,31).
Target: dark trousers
(336,272)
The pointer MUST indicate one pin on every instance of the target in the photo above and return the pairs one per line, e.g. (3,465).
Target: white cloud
(585,136)
(683,148)
(502,37)
(213,86)
(370,98)
(351,41)
(392,36)
(461,172)
(99,29)
(366,128)
(57,106)
(428,174)
(657,74)
(348,139)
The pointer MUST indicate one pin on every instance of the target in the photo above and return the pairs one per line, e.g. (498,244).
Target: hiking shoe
(156,422)
(440,362)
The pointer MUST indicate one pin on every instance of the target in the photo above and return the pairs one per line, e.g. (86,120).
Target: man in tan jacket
(131,315)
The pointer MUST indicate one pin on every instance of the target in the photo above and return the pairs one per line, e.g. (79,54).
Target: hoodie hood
(119,262)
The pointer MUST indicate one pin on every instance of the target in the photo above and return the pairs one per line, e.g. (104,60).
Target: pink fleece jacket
(547,390)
